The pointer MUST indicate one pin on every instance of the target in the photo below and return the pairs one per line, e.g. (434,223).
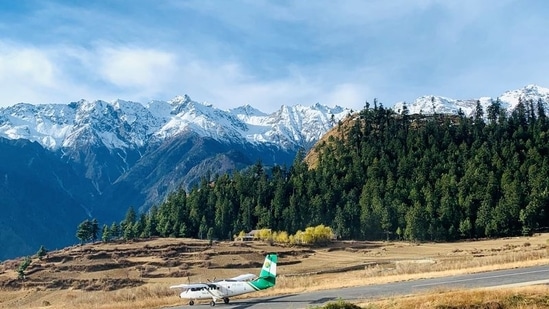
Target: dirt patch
(117,267)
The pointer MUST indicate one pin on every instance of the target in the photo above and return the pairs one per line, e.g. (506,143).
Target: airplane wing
(189,286)
(244,277)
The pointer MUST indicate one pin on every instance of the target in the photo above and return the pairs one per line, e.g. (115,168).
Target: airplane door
(226,290)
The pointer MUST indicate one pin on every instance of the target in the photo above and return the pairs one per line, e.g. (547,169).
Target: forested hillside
(383,175)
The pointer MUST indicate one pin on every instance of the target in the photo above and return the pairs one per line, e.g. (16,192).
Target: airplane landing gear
(226,300)
(191,302)
(212,303)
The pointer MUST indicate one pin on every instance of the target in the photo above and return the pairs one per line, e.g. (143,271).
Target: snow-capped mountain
(130,125)
(441,105)
(63,163)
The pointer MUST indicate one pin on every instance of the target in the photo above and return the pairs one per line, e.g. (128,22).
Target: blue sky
(269,53)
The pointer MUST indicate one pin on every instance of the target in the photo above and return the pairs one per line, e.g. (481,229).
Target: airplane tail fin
(267,276)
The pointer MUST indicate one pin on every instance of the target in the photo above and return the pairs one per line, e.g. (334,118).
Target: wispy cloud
(145,69)
(26,73)
(269,53)
(27,64)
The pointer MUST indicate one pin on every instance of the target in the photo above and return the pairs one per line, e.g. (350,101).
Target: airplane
(223,289)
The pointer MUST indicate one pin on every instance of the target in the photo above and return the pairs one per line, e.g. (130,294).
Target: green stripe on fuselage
(252,284)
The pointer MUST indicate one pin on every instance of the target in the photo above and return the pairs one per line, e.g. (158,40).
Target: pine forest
(380,175)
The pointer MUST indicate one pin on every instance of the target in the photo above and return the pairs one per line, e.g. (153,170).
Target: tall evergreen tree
(84,231)
(94,229)
(105,233)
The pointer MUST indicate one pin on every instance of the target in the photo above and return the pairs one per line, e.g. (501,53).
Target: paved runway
(521,276)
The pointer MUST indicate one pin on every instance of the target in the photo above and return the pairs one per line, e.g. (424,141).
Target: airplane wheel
(226,300)
(191,302)
(212,303)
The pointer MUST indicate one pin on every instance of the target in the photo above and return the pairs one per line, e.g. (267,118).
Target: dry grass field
(137,274)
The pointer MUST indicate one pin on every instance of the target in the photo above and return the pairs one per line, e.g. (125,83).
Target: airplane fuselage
(218,290)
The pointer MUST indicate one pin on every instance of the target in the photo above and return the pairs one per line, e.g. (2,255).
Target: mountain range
(63,163)
(430,104)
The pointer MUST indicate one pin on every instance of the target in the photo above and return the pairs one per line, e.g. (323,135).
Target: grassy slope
(138,274)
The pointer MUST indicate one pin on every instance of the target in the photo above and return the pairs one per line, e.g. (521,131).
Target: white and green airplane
(223,289)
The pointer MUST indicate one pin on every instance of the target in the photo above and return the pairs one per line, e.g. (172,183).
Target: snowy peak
(293,126)
(178,100)
(246,112)
(204,119)
(436,104)
(185,104)
(528,93)
(442,105)
(129,125)
(47,124)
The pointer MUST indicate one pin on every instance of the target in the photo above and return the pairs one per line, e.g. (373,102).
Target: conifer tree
(22,267)
(114,231)
(84,231)
(127,225)
(41,252)
(94,229)
(106,233)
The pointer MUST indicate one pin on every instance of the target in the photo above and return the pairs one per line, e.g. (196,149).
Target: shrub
(41,252)
(22,267)
(340,304)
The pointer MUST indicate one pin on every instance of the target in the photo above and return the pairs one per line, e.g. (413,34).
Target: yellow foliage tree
(308,237)
(241,235)
(291,239)
(319,234)
(316,235)
(265,234)
(282,237)
(298,237)
(323,234)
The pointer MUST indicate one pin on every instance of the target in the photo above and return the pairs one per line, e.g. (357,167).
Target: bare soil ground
(137,274)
